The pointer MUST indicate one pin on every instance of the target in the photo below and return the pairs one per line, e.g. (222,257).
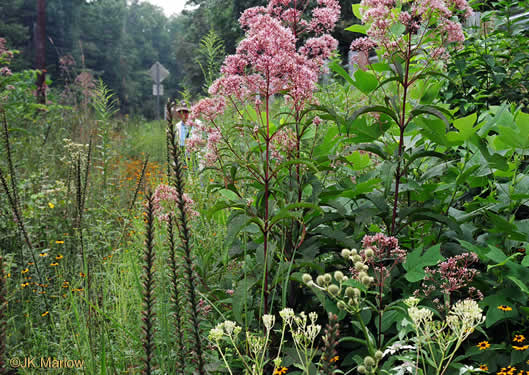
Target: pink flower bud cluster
(4,52)
(283,142)
(385,254)
(271,60)
(5,57)
(435,23)
(165,199)
(450,276)
(384,247)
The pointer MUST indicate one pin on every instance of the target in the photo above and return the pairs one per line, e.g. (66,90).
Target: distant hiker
(180,112)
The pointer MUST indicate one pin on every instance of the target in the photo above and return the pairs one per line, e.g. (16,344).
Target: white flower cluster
(74,151)
(464,316)
(226,328)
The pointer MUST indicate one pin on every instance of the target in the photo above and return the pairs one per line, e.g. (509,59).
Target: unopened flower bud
(354,252)
(341,305)
(378,355)
(345,253)
(320,280)
(369,361)
(327,277)
(338,275)
(349,292)
(333,289)
(306,278)
(366,280)
(359,266)
(369,252)
(357,292)
(356,258)
(362,369)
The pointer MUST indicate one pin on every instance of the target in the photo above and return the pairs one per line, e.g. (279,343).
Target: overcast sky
(169,6)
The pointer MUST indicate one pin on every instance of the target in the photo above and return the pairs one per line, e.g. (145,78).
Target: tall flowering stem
(3,307)
(282,54)
(180,365)
(415,37)
(177,179)
(330,340)
(148,288)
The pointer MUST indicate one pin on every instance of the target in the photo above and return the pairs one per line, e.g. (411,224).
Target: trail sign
(158,72)
(157,90)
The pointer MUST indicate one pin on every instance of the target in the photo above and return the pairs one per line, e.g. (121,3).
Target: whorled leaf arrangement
(148,288)
(177,180)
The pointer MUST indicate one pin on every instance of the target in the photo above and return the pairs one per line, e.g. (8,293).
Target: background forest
(119,40)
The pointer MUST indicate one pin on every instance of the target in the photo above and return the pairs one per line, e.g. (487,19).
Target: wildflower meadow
(304,209)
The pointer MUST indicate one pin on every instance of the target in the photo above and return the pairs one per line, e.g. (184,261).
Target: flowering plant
(283,54)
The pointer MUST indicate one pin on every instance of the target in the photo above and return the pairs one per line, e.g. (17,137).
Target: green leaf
(466,129)
(397,29)
(362,131)
(358,160)
(430,110)
(416,261)
(493,313)
(523,286)
(356,11)
(357,28)
(228,194)
(362,188)
(335,67)
(375,108)
(365,81)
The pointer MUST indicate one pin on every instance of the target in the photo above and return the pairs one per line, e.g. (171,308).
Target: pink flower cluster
(5,57)
(386,255)
(450,276)
(384,247)
(283,142)
(268,61)
(423,18)
(165,200)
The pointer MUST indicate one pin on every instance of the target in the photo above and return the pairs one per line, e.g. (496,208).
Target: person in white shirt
(181,113)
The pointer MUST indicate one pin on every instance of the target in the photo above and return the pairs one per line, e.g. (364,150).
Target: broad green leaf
(359,160)
(228,194)
(494,314)
(357,28)
(356,11)
(434,129)
(335,67)
(362,131)
(377,109)
(466,129)
(362,188)
(397,29)
(416,261)
(365,81)
(522,285)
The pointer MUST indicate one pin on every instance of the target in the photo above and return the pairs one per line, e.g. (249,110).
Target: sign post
(158,74)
